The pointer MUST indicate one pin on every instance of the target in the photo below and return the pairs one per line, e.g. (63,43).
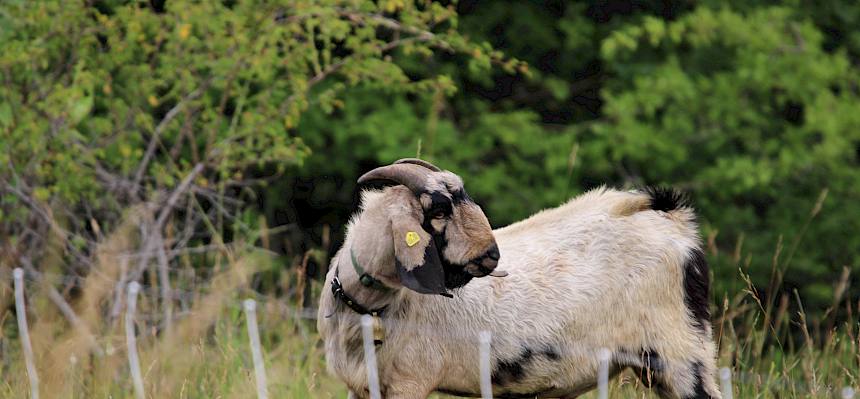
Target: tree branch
(156,135)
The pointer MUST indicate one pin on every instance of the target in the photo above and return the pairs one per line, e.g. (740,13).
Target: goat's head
(441,237)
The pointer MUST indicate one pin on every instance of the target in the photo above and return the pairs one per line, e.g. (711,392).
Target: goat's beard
(455,275)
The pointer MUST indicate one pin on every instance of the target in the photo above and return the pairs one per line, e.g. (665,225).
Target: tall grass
(767,342)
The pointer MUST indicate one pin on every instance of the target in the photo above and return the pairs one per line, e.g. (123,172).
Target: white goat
(609,269)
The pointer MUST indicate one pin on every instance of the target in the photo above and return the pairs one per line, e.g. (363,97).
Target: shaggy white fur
(604,270)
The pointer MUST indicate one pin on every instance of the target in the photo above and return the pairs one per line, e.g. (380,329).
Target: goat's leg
(686,380)
(680,375)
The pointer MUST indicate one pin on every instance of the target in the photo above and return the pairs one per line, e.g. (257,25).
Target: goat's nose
(491,260)
(493,252)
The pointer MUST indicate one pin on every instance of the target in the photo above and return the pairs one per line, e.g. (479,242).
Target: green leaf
(80,109)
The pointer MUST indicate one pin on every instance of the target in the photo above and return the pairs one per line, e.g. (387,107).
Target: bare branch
(156,135)
(150,243)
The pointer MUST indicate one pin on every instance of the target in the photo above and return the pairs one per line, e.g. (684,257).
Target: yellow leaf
(152,100)
(42,193)
(184,31)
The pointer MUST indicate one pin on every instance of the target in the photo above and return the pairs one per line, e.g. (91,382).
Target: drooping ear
(416,258)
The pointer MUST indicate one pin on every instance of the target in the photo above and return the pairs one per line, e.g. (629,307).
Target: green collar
(366,279)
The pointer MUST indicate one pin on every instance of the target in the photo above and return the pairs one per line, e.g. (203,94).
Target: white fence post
(726,382)
(484,339)
(250,306)
(131,339)
(24,331)
(370,356)
(603,356)
(847,393)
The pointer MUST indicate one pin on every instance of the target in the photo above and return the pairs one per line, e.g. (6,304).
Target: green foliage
(752,108)
(750,112)
(107,105)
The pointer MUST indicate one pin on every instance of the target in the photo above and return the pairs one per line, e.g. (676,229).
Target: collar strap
(350,302)
(365,278)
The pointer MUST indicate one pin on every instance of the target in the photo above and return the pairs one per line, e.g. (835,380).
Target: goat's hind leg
(675,379)
(685,380)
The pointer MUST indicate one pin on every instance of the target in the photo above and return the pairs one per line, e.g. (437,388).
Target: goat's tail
(674,203)
(666,199)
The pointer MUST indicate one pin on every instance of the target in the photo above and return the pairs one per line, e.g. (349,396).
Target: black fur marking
(644,358)
(455,275)
(439,203)
(647,365)
(453,392)
(460,196)
(696,285)
(551,353)
(512,371)
(698,384)
(651,360)
(666,199)
(500,395)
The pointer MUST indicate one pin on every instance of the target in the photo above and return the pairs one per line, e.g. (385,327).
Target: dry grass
(205,353)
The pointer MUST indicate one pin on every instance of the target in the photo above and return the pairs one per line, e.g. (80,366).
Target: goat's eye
(438,215)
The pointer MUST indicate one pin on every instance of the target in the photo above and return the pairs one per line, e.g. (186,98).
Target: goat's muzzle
(485,265)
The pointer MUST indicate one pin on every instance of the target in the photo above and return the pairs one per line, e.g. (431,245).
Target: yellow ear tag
(412,238)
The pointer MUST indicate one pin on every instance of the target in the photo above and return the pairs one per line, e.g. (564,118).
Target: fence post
(603,356)
(21,311)
(250,306)
(131,339)
(370,356)
(484,339)
(726,382)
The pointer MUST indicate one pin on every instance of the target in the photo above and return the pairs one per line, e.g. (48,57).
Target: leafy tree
(751,107)
(166,107)
(750,112)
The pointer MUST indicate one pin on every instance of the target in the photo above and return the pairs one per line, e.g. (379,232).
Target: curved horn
(410,175)
(416,161)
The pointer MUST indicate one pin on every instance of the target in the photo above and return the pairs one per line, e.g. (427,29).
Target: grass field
(770,349)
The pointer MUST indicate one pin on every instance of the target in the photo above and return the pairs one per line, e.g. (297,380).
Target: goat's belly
(549,384)
(505,393)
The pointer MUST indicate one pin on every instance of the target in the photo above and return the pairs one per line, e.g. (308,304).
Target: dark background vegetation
(750,107)
(270,112)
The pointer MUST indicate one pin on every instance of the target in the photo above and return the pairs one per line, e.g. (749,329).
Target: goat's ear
(416,258)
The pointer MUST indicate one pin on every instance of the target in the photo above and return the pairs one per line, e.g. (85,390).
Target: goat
(608,269)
